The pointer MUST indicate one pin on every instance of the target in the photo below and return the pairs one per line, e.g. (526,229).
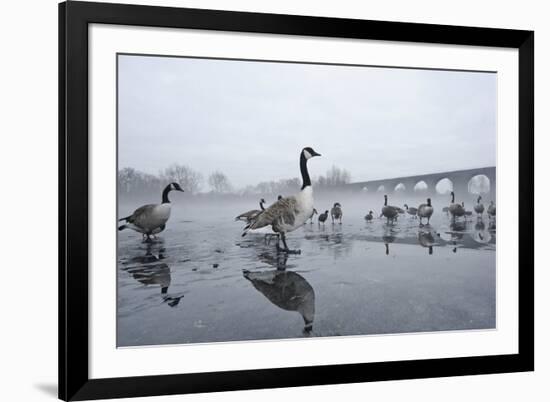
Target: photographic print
(272,200)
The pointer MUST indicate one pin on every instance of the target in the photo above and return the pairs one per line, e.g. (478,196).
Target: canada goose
(336,212)
(369,217)
(287,290)
(249,215)
(311,217)
(479,208)
(323,217)
(492,210)
(411,211)
(151,219)
(455,209)
(425,210)
(289,213)
(390,212)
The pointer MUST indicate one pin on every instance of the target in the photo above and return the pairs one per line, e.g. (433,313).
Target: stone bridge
(425,184)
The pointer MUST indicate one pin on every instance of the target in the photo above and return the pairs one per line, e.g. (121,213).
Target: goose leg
(286,249)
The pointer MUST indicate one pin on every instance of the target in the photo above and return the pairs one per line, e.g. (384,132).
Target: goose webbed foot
(287,250)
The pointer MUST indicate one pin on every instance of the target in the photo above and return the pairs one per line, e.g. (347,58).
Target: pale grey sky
(251,119)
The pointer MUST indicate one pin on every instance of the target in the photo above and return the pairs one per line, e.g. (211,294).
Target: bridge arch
(479,184)
(381,188)
(444,186)
(420,186)
(400,187)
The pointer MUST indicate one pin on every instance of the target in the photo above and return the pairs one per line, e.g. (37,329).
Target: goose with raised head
(249,215)
(411,211)
(289,213)
(336,212)
(479,208)
(369,217)
(151,219)
(425,210)
(456,210)
(389,211)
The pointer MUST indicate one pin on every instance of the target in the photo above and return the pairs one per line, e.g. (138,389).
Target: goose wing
(248,215)
(282,211)
(140,213)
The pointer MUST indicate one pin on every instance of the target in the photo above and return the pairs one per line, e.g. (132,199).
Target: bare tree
(189,179)
(134,182)
(335,177)
(219,182)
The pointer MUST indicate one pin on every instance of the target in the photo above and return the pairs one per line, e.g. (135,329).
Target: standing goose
(151,219)
(369,217)
(479,208)
(311,217)
(455,209)
(492,210)
(289,213)
(336,212)
(425,210)
(249,215)
(323,217)
(411,211)
(390,212)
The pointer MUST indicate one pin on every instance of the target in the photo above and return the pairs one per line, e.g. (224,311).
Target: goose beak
(316,154)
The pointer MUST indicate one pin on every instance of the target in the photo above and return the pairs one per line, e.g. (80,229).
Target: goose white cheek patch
(307,154)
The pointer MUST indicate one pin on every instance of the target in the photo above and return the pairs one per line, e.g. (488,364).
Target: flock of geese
(426,210)
(290,213)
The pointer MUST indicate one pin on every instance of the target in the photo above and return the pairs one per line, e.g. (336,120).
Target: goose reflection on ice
(149,270)
(388,237)
(481,234)
(426,239)
(277,260)
(288,291)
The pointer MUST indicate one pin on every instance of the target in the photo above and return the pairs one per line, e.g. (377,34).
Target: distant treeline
(134,183)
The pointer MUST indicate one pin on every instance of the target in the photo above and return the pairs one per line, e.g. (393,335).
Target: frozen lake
(200,281)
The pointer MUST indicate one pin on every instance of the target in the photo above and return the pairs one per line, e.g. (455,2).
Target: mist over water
(200,281)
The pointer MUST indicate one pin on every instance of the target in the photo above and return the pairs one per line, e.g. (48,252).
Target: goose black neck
(306,181)
(429,202)
(165,199)
(262,205)
(385,201)
(453,198)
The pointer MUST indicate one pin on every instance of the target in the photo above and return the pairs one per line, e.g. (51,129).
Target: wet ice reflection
(202,282)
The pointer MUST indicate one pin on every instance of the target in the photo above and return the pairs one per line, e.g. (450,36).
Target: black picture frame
(74,381)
